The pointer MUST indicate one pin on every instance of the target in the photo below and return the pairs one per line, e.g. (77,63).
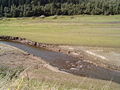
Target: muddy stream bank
(67,63)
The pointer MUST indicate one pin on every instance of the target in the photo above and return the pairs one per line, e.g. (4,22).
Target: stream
(68,63)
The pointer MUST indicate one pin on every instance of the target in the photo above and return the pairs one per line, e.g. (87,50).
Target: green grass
(75,30)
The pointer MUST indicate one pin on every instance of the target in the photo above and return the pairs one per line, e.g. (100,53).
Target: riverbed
(68,63)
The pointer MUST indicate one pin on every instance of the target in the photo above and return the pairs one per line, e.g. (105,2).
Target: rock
(35,43)
(70,48)
(79,62)
(69,52)
(74,53)
(44,46)
(80,66)
(74,69)
(42,16)
(59,50)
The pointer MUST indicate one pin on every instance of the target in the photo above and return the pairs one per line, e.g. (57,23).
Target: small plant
(8,74)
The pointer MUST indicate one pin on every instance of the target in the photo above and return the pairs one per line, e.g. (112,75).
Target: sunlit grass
(79,30)
(49,80)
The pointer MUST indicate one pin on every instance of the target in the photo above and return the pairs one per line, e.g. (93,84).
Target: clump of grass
(49,80)
(8,74)
(34,84)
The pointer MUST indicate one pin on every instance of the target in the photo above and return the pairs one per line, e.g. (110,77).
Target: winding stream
(68,63)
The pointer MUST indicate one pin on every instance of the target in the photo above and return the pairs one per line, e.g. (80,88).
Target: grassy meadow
(74,30)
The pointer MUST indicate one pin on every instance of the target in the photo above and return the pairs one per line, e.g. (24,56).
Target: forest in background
(28,8)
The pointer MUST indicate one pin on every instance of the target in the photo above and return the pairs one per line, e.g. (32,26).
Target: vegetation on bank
(8,74)
(74,30)
(44,79)
(27,8)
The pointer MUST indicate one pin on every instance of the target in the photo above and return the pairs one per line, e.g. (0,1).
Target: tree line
(27,8)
